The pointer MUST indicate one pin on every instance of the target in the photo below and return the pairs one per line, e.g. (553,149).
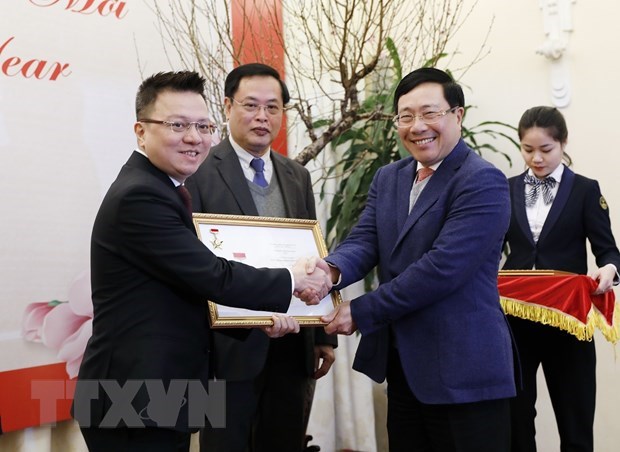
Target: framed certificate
(264,242)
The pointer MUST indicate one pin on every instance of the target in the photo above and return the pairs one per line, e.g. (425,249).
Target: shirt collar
(556,173)
(434,166)
(245,157)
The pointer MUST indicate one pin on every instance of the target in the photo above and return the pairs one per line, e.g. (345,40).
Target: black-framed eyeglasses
(204,128)
(254,107)
(428,117)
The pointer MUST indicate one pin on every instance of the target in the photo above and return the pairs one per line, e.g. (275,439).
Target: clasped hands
(312,284)
(313,281)
(339,321)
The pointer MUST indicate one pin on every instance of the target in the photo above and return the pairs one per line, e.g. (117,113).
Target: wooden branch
(336,45)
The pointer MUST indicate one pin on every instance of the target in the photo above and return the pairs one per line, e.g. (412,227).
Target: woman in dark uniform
(554,211)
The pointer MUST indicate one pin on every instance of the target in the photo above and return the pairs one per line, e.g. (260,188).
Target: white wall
(62,142)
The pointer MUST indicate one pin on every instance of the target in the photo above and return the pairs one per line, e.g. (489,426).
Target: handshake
(313,282)
(313,279)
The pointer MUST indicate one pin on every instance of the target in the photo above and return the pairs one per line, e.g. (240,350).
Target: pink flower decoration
(33,319)
(65,327)
(72,349)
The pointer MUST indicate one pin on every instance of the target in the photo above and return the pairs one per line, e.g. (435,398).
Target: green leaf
(321,123)
(397,66)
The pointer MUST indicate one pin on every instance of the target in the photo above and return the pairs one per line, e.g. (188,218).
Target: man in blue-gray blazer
(434,225)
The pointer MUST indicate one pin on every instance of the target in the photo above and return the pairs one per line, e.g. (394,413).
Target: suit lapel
(403,192)
(284,176)
(227,165)
(519,211)
(566,184)
(140,161)
(435,187)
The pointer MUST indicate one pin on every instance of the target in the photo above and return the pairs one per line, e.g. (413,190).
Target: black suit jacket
(578,212)
(151,278)
(219,186)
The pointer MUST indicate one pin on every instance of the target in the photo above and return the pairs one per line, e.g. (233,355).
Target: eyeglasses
(253,107)
(182,126)
(429,117)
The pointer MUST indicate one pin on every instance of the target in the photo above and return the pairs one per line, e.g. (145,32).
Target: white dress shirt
(245,158)
(416,188)
(537,214)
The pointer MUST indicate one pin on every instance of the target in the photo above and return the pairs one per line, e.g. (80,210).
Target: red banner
(35,396)
(258,36)
(562,300)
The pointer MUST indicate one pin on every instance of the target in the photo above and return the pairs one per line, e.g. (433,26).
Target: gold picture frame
(263,242)
(533,273)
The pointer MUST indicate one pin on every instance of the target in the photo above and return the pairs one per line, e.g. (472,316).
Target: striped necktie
(539,185)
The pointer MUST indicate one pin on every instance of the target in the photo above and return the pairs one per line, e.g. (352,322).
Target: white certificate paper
(263,242)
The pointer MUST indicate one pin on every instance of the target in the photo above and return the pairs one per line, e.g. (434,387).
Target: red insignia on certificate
(216,242)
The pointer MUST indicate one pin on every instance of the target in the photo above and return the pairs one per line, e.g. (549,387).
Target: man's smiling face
(429,143)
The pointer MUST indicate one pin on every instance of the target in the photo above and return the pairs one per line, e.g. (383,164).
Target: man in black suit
(151,278)
(270,381)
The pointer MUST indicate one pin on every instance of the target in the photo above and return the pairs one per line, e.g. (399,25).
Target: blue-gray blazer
(438,279)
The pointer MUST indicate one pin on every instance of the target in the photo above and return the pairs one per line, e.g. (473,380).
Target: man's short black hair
(452,91)
(167,81)
(250,70)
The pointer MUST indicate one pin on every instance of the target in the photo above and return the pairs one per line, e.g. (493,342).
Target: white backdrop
(63,141)
(68,75)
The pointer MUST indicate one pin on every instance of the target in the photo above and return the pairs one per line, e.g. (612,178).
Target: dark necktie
(185,197)
(259,167)
(539,185)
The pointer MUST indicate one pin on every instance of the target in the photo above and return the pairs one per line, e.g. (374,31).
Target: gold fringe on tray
(547,316)
(610,332)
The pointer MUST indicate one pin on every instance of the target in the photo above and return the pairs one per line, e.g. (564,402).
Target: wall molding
(558,26)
